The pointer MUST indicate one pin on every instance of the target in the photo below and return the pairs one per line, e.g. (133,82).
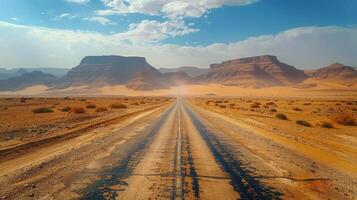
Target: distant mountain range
(136,73)
(26,80)
(10,73)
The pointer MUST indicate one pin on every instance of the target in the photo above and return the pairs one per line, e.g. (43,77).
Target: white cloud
(65,16)
(78,1)
(168,8)
(302,47)
(100,20)
(153,31)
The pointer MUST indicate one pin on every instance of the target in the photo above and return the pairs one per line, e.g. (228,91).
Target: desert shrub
(136,103)
(91,106)
(101,109)
(303,123)
(118,106)
(232,104)
(142,102)
(83,99)
(297,109)
(255,105)
(65,109)
(6,108)
(219,102)
(23,99)
(78,110)
(349,103)
(42,110)
(222,106)
(270,103)
(273,110)
(282,116)
(326,125)
(354,109)
(306,104)
(225,101)
(337,104)
(345,119)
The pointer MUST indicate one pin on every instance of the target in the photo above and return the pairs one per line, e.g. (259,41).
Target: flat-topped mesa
(105,70)
(258,71)
(254,59)
(112,59)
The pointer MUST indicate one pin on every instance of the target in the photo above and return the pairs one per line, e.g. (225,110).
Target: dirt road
(175,151)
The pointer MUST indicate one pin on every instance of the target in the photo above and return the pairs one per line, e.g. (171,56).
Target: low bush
(303,123)
(255,105)
(222,106)
(118,106)
(273,110)
(270,103)
(326,125)
(297,109)
(91,106)
(345,119)
(282,116)
(23,99)
(101,109)
(65,109)
(78,110)
(42,110)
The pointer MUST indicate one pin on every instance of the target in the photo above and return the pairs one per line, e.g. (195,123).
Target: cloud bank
(30,46)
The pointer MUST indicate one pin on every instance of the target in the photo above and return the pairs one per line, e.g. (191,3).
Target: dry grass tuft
(303,123)
(282,116)
(101,109)
(326,125)
(91,106)
(344,119)
(297,109)
(118,106)
(65,109)
(42,110)
(78,110)
(255,105)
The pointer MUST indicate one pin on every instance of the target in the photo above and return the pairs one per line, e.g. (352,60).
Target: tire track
(241,178)
(102,188)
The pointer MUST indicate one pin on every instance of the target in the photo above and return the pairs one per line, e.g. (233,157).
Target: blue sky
(137,26)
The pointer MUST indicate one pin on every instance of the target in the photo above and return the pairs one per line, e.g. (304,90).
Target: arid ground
(205,147)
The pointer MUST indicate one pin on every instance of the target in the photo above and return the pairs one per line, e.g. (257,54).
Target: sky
(173,33)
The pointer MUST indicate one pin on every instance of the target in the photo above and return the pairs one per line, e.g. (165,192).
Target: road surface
(171,152)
